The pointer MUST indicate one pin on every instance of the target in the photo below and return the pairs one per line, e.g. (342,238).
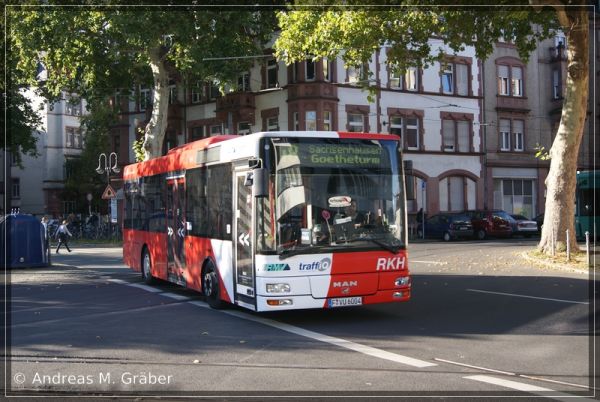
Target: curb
(560,267)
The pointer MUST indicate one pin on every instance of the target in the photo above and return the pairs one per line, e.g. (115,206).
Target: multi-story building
(36,188)
(436,111)
(522,111)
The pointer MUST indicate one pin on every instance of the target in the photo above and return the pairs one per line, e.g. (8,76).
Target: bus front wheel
(211,286)
(147,268)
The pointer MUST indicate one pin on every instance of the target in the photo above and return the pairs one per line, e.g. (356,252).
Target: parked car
(447,226)
(524,226)
(490,223)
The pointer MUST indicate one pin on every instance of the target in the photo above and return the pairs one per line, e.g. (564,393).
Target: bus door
(243,240)
(176,228)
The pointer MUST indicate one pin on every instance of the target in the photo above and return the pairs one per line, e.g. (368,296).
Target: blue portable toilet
(22,242)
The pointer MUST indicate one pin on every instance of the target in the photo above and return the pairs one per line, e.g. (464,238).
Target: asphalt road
(482,321)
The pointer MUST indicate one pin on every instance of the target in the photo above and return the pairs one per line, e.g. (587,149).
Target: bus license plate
(345,301)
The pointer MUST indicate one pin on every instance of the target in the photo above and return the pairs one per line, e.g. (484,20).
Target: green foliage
(407,29)
(138,149)
(96,50)
(541,153)
(83,177)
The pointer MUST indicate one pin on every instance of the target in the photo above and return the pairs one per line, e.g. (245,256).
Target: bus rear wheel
(147,268)
(211,286)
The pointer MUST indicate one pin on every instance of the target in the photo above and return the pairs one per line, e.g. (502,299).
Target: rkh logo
(390,264)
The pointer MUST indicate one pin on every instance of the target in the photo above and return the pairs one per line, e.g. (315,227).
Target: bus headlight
(402,281)
(278,288)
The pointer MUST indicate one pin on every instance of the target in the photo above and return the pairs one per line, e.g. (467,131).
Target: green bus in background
(587,204)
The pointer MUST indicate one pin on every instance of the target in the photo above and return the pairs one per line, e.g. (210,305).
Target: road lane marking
(175,296)
(519,386)
(430,262)
(511,374)
(474,367)
(144,287)
(357,347)
(526,297)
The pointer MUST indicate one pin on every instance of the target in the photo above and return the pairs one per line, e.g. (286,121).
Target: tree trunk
(154,133)
(562,177)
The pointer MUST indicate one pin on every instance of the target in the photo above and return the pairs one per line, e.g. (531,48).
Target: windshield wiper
(387,246)
(290,252)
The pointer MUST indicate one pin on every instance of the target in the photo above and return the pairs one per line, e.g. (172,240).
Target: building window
(73,106)
(295,121)
(244,82)
(456,135)
(213,92)
(510,80)
(408,129)
(311,120)
(73,138)
(272,123)
(216,129)
(407,81)
(515,196)
(327,69)
(504,135)
(197,93)
(357,74)
(512,135)
(556,85)
(16,187)
(455,79)
(411,79)
(197,133)
(172,94)
(145,100)
(395,78)
(271,74)
(448,79)
(503,80)
(244,128)
(327,121)
(517,81)
(518,133)
(356,122)
(310,70)
(14,156)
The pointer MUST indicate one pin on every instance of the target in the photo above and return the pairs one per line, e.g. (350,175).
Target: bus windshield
(329,195)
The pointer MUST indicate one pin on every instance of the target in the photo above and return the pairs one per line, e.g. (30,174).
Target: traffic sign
(109,193)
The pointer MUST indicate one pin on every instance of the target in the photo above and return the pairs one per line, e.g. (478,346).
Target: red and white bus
(273,220)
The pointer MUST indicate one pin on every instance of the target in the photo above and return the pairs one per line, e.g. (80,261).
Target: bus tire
(147,268)
(211,286)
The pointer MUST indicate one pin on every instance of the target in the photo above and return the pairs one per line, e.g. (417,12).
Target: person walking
(46,237)
(61,233)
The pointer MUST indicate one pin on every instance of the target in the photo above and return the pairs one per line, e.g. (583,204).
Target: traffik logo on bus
(322,265)
(390,263)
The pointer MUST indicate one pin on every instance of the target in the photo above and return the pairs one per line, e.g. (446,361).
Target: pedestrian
(61,234)
(46,236)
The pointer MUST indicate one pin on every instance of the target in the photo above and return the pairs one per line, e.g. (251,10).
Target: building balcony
(512,103)
(312,90)
(240,104)
(557,53)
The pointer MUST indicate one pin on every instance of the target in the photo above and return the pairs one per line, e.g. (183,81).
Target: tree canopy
(98,50)
(410,32)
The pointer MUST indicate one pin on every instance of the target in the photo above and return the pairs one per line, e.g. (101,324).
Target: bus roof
(233,147)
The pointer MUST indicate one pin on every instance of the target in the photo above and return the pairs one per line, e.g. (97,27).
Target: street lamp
(109,167)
